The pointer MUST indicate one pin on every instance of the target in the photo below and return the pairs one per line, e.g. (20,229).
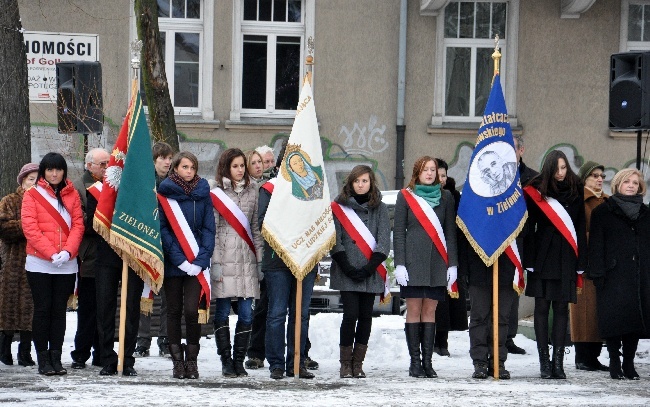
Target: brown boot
(178,359)
(346,362)
(358,355)
(191,366)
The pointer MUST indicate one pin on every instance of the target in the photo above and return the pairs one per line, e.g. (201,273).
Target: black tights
(560,320)
(357,317)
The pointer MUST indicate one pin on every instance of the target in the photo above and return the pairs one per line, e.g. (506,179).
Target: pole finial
(136,48)
(496,55)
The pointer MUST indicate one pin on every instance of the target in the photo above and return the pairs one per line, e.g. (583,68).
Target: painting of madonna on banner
(306,179)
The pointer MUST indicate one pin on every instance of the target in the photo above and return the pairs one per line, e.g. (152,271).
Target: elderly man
(86,336)
(268,159)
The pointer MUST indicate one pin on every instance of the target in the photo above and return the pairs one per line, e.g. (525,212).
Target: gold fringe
(453,294)
(204,316)
(295,268)
(518,290)
(73,302)
(579,290)
(489,260)
(386,299)
(133,255)
(101,229)
(146,306)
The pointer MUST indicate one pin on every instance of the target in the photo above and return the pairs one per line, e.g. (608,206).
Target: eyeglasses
(102,164)
(601,175)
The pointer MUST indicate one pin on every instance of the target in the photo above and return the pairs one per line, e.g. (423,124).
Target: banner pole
(123,295)
(298,324)
(495,318)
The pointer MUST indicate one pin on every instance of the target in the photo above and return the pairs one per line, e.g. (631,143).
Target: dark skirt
(418,291)
(552,290)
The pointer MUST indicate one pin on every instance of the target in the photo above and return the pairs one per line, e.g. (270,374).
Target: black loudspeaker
(79,103)
(629,84)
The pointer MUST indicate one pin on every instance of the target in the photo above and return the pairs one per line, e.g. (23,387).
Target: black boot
(6,337)
(44,363)
(222,338)
(412,331)
(191,366)
(614,349)
(629,352)
(55,358)
(427,340)
(558,363)
(240,347)
(25,354)
(176,351)
(544,362)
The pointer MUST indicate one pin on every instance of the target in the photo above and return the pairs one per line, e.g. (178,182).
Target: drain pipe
(401,90)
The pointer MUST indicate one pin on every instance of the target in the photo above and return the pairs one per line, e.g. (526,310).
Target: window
(635,26)
(464,65)
(470,28)
(187,45)
(269,44)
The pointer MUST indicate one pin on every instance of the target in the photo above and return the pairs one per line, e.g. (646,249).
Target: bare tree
(156,87)
(15,141)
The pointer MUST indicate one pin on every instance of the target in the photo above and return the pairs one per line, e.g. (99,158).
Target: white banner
(45,49)
(298,223)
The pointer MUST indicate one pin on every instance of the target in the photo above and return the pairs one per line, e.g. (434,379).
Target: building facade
(388,74)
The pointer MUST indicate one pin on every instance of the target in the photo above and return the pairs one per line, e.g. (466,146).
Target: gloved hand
(401,275)
(452,276)
(216,272)
(194,270)
(344,264)
(375,260)
(260,274)
(357,275)
(60,258)
(185,266)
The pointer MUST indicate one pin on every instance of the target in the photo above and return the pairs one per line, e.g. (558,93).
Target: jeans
(357,317)
(50,293)
(281,289)
(183,295)
(107,279)
(86,337)
(244,310)
(144,331)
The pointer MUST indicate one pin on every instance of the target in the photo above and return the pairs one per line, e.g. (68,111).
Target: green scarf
(430,193)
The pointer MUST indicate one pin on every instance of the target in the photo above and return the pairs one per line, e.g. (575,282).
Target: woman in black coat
(619,265)
(552,262)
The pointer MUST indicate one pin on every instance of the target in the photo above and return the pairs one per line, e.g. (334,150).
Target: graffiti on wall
(364,139)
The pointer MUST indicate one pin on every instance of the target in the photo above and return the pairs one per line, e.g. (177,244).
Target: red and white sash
(362,238)
(39,194)
(190,248)
(518,282)
(95,190)
(560,218)
(269,185)
(233,215)
(429,220)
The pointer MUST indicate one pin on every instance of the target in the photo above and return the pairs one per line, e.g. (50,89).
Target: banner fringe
(295,268)
(132,254)
(518,290)
(73,302)
(204,315)
(146,306)
(489,260)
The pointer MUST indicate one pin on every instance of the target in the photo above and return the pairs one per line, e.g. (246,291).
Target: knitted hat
(27,169)
(587,168)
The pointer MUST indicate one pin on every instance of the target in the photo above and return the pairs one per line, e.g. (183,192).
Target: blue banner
(492,209)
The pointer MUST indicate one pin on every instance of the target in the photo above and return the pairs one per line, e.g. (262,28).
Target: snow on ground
(387,384)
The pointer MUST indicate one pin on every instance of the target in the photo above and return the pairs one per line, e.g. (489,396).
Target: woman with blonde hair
(426,257)
(619,265)
(255,166)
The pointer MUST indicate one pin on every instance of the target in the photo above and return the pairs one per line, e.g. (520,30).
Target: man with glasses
(86,335)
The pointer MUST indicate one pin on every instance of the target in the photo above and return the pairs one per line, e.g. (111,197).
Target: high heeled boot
(240,347)
(427,341)
(629,352)
(412,331)
(222,338)
(545,371)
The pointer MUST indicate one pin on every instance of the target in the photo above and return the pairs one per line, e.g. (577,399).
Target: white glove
(60,258)
(401,275)
(194,270)
(530,270)
(580,271)
(215,272)
(185,266)
(260,274)
(452,276)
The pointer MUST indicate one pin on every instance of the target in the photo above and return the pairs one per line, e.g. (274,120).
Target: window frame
(204,26)
(271,30)
(625,45)
(508,67)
